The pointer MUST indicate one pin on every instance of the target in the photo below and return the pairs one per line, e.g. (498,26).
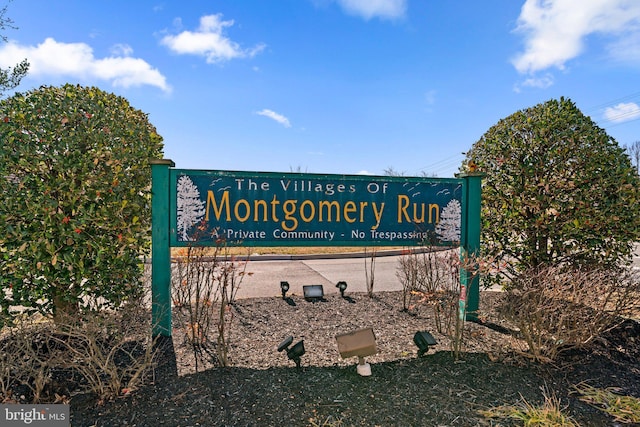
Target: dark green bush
(75,179)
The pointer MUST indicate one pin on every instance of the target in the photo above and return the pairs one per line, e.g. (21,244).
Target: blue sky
(336,86)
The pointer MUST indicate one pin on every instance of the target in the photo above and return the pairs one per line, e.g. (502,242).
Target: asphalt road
(265,275)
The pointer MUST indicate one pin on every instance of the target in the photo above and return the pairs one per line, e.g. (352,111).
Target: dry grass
(625,409)
(549,414)
(284,250)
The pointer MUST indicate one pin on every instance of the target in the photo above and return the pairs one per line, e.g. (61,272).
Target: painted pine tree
(448,229)
(190,207)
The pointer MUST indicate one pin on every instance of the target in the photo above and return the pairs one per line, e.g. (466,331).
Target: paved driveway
(265,277)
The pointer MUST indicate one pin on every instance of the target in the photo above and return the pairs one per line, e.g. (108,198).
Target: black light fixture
(423,340)
(313,293)
(293,353)
(342,286)
(284,287)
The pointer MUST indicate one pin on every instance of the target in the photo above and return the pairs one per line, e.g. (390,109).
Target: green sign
(271,209)
(290,209)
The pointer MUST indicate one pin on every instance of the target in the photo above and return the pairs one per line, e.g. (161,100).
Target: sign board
(198,207)
(292,209)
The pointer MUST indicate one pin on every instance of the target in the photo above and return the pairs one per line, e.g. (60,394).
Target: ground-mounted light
(284,287)
(423,340)
(342,286)
(313,293)
(358,343)
(293,353)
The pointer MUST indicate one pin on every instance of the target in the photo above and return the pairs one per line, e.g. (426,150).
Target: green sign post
(470,245)
(160,248)
(200,207)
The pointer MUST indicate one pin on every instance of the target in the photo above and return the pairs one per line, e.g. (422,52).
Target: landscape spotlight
(313,293)
(359,343)
(284,286)
(294,353)
(342,285)
(423,340)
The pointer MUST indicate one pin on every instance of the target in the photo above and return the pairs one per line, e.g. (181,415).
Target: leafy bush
(75,179)
(557,189)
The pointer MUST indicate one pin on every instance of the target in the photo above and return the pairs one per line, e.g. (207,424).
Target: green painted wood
(160,249)
(161,245)
(470,242)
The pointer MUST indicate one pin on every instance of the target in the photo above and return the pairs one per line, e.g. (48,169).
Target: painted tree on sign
(448,229)
(190,207)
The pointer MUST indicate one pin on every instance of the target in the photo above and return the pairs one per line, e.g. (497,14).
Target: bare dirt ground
(264,388)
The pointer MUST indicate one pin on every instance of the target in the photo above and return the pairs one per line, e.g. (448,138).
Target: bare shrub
(111,350)
(369,270)
(27,360)
(431,277)
(407,273)
(560,308)
(108,353)
(204,287)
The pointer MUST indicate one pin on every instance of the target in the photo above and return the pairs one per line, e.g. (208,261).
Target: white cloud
(121,50)
(540,82)
(622,112)
(555,30)
(275,116)
(389,9)
(209,41)
(626,49)
(52,58)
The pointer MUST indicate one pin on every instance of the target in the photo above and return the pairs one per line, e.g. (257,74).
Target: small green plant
(625,409)
(549,414)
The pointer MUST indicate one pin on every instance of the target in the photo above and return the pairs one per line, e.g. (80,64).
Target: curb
(344,255)
(306,257)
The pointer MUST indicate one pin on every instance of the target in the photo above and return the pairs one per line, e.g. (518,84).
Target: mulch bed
(262,387)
